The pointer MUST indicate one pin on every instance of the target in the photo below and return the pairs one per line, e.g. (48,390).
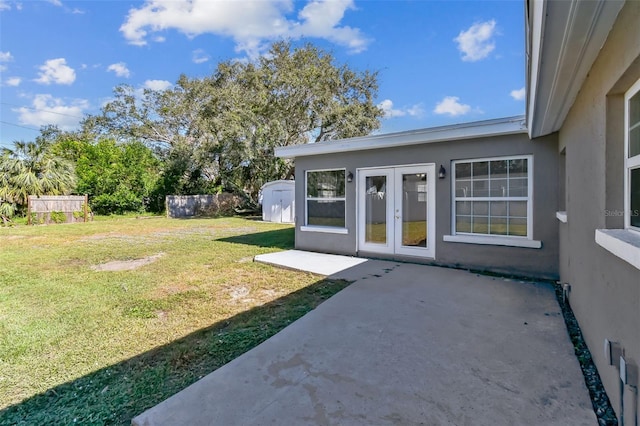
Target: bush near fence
(179,206)
(46,209)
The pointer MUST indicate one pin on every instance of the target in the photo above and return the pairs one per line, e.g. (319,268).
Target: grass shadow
(280,238)
(116,394)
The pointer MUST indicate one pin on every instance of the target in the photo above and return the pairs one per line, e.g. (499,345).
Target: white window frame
(624,243)
(321,228)
(629,163)
(494,239)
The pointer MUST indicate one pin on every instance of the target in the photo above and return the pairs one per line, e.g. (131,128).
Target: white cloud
(157,84)
(56,71)
(250,24)
(477,42)
(4,5)
(451,106)
(321,19)
(120,69)
(519,94)
(391,112)
(13,81)
(199,56)
(49,110)
(55,2)
(416,111)
(5,57)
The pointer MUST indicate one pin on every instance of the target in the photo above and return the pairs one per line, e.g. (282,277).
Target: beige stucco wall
(605,292)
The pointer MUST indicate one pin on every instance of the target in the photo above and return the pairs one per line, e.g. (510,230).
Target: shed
(278,201)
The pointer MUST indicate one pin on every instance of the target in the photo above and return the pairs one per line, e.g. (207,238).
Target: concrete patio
(404,344)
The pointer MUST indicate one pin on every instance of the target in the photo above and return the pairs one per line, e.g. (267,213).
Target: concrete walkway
(318,263)
(403,345)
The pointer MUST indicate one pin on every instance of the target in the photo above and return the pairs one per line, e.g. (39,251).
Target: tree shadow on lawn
(116,394)
(280,238)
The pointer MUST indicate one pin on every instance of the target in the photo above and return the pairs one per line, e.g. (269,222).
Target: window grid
(490,199)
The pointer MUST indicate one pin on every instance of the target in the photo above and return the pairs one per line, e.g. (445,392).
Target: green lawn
(83,346)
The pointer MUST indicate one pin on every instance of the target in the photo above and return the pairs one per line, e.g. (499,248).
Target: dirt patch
(127,265)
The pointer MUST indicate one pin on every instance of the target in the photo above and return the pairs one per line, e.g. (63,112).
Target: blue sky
(439,62)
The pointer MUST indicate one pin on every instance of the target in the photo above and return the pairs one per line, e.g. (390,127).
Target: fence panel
(45,209)
(178,206)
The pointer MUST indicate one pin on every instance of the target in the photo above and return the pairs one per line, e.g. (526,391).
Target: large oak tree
(220,131)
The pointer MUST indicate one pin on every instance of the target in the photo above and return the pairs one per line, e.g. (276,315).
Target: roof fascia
(479,129)
(566,37)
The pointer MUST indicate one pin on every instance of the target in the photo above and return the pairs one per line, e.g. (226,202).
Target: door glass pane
(414,210)
(376,209)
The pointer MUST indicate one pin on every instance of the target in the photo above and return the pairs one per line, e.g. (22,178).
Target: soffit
(564,39)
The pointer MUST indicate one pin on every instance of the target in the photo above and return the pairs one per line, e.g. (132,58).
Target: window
(325,198)
(632,157)
(625,243)
(492,197)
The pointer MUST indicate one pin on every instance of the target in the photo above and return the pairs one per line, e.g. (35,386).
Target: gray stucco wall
(541,262)
(605,293)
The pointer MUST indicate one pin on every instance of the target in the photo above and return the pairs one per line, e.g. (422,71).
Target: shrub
(58,217)
(117,203)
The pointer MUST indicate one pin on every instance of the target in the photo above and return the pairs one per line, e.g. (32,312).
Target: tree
(31,168)
(221,131)
(118,177)
(297,96)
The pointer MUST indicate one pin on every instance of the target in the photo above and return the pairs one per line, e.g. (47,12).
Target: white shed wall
(278,201)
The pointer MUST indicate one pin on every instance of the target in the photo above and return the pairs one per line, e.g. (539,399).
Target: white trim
(458,132)
(430,250)
(561,216)
(306,197)
(493,240)
(325,229)
(361,195)
(629,163)
(565,38)
(623,243)
(393,243)
(528,198)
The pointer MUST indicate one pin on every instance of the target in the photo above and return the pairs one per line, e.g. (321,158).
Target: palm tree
(30,168)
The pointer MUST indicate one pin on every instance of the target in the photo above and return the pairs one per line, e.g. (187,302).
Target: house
(460,195)
(553,194)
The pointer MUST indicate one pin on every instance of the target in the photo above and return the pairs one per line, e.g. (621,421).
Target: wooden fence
(46,209)
(178,206)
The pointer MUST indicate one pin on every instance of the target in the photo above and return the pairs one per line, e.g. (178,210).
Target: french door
(396,210)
